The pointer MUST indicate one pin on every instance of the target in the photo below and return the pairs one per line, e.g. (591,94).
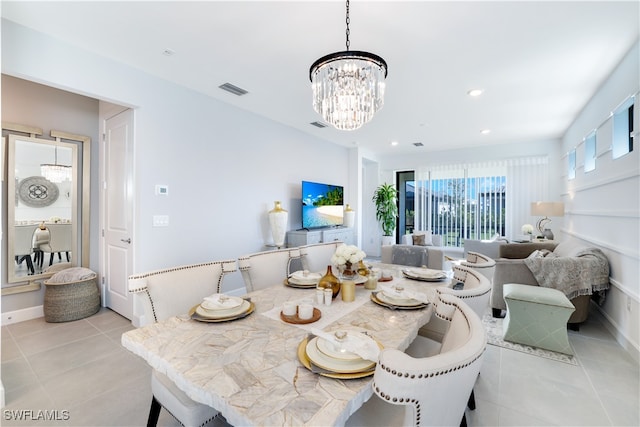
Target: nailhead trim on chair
(414,376)
(169,270)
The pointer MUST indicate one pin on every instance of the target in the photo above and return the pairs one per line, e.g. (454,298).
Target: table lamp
(546,209)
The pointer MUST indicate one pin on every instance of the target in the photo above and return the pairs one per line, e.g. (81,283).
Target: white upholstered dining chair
(161,294)
(60,240)
(264,269)
(317,257)
(23,244)
(432,390)
(481,263)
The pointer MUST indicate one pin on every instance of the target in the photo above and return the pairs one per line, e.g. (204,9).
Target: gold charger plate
(306,362)
(199,318)
(374,298)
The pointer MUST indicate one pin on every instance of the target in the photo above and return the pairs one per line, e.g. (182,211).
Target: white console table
(309,237)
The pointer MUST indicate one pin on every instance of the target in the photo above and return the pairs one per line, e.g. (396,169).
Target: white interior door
(118,212)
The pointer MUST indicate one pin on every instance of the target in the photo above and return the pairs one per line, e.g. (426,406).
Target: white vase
(349,216)
(278,219)
(388,240)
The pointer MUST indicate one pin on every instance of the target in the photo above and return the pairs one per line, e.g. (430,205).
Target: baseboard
(21,315)
(611,326)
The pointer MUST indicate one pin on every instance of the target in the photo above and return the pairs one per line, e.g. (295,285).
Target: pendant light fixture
(348,86)
(55,172)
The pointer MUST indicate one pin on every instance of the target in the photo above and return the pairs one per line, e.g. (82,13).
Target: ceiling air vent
(233,89)
(318,124)
(418,144)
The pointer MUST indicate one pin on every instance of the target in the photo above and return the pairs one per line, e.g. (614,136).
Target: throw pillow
(536,254)
(419,239)
(428,238)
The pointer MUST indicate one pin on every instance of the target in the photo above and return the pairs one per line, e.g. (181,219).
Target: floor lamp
(546,209)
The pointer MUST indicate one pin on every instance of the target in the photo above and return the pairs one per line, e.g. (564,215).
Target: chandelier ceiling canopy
(348,86)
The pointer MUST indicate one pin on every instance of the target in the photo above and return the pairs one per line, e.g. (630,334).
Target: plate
(385,279)
(250,307)
(410,275)
(219,314)
(306,362)
(317,314)
(339,366)
(374,298)
(287,282)
(231,303)
(296,279)
(399,302)
(328,348)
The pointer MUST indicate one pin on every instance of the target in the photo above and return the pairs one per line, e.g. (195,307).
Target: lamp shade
(547,208)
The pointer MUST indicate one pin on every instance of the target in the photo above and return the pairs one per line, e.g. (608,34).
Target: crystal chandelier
(55,172)
(348,86)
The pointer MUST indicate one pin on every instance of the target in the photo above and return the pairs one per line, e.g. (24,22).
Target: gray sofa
(414,255)
(591,270)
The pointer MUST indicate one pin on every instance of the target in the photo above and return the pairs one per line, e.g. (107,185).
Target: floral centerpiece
(346,257)
(527,230)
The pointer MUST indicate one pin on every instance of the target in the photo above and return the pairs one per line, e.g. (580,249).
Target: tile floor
(80,367)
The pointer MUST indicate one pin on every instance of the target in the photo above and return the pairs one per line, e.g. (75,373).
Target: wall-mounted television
(322,205)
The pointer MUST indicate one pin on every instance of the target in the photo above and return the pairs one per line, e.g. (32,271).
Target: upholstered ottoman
(71,294)
(537,316)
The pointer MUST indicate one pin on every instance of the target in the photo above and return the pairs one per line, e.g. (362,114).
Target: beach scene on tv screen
(321,205)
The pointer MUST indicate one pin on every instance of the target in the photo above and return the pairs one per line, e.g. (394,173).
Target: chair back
(476,291)
(435,389)
(161,294)
(60,238)
(481,263)
(23,239)
(264,269)
(317,257)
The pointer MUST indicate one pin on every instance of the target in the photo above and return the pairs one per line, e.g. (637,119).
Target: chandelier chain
(348,21)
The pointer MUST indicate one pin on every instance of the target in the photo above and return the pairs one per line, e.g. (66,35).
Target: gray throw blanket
(583,274)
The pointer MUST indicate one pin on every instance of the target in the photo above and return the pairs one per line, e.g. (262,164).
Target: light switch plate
(161,220)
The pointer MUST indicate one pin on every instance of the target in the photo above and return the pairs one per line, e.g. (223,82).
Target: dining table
(249,369)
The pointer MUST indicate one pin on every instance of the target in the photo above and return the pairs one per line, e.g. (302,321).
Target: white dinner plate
(303,282)
(426,276)
(221,314)
(336,365)
(330,349)
(230,303)
(400,302)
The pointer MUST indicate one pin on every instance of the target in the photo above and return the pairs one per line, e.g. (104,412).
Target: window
(623,129)
(462,204)
(590,152)
(571,173)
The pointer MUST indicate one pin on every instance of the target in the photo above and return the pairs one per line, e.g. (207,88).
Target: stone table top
(248,369)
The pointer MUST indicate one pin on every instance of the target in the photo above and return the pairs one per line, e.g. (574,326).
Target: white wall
(224,167)
(604,205)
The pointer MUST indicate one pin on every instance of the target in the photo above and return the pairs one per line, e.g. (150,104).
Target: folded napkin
(305,276)
(357,343)
(221,301)
(426,273)
(404,293)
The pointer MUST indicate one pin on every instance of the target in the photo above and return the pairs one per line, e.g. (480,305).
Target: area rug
(493,327)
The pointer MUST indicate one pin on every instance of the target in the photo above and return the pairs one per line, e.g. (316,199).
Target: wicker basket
(68,301)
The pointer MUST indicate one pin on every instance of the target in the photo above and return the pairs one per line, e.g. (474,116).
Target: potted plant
(386,197)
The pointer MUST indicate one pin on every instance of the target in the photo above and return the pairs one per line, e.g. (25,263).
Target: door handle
(126,240)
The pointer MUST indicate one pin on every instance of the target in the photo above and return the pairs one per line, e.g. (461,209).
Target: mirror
(47,206)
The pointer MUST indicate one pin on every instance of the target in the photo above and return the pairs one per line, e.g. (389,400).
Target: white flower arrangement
(347,253)
(527,229)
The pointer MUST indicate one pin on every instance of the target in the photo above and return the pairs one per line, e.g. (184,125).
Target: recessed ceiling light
(485,131)
(168,52)
(394,143)
(475,92)
(418,144)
